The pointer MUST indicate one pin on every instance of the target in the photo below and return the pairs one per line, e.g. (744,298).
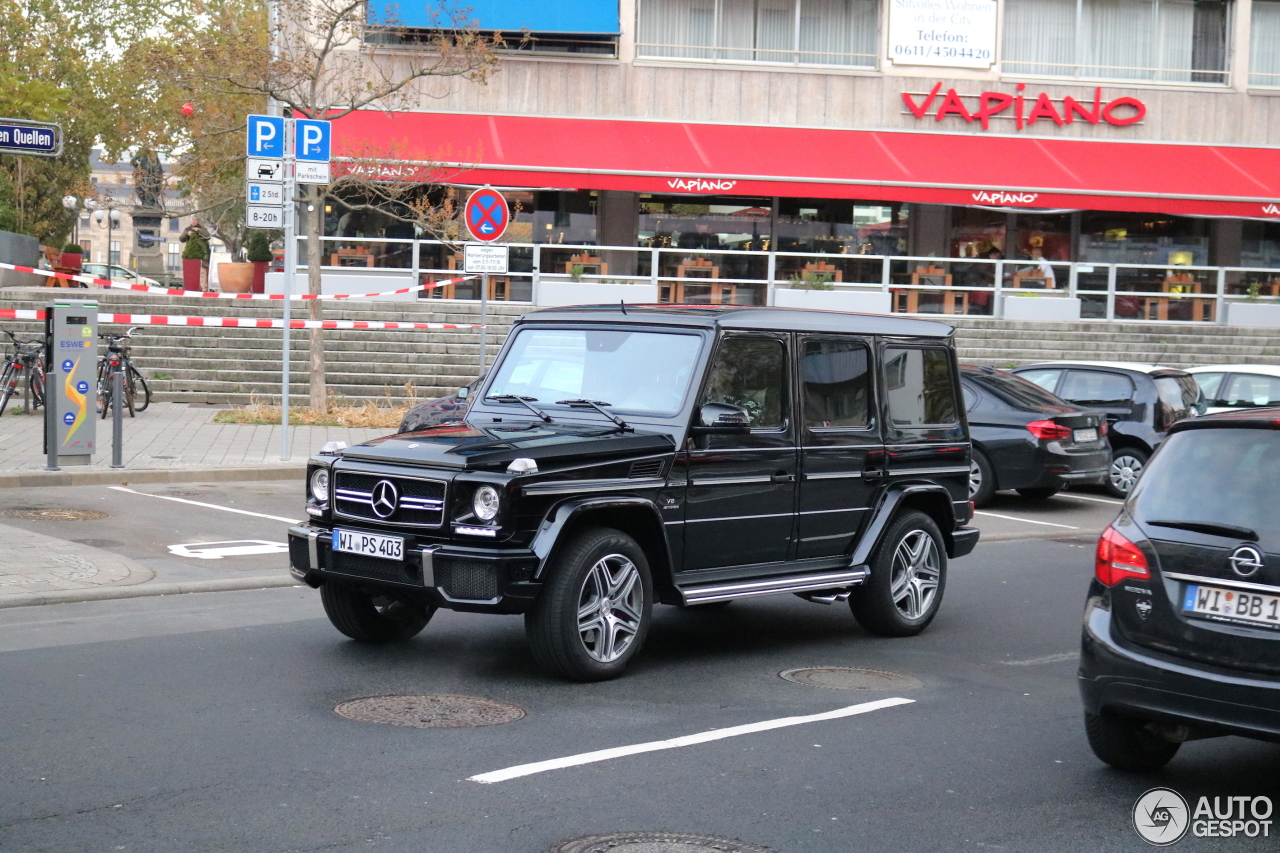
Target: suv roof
(1134,366)
(745,317)
(1260,418)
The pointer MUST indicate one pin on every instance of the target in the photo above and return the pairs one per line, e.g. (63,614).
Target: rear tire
(908,577)
(1126,744)
(369,619)
(982,479)
(1040,494)
(593,614)
(141,393)
(1126,464)
(6,387)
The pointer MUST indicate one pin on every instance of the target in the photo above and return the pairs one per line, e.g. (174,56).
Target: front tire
(594,611)
(1126,744)
(908,577)
(372,619)
(1126,464)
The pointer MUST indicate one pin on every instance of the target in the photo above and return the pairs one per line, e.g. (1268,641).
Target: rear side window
(1095,388)
(919,387)
(1046,379)
(1248,390)
(837,386)
(1208,383)
(1228,476)
(1017,390)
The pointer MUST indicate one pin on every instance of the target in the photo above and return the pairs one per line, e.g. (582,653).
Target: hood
(471,446)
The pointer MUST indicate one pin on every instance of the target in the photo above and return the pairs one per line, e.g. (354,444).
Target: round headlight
(320,485)
(485,503)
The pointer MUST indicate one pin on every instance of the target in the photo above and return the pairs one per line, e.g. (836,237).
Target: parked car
(440,410)
(118,273)
(1238,386)
(1141,402)
(618,456)
(1025,438)
(1182,624)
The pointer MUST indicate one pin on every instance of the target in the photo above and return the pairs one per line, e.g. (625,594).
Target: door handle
(782,477)
(874,475)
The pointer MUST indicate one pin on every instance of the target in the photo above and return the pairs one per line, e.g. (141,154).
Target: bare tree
(332,57)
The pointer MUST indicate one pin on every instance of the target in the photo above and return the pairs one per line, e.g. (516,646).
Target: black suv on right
(1141,402)
(1182,624)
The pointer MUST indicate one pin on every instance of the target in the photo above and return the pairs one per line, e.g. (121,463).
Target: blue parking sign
(265,137)
(311,140)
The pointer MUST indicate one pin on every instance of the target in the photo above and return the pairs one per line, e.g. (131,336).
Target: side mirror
(722,418)
(464,392)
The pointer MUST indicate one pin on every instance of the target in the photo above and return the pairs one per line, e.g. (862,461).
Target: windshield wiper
(1213,529)
(598,405)
(527,402)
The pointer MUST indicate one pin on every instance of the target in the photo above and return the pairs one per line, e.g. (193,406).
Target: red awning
(744,160)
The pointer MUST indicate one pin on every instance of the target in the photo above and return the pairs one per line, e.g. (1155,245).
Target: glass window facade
(1143,238)
(1264,37)
(1170,41)
(803,32)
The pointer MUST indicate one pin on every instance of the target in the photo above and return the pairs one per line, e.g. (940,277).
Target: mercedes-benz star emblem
(1245,561)
(385,498)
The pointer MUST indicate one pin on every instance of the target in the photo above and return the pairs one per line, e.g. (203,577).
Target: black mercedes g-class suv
(615,456)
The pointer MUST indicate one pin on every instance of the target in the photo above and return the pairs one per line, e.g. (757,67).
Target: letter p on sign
(311,140)
(265,137)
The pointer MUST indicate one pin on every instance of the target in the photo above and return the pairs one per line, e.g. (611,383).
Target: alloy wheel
(975,478)
(915,574)
(1124,472)
(610,605)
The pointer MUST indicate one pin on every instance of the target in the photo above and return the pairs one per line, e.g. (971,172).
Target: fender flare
(890,502)
(550,535)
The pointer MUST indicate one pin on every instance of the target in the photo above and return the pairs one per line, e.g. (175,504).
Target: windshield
(1223,476)
(643,373)
(1014,390)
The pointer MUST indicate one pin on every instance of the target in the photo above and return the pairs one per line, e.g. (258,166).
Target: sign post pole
(117,418)
(484,318)
(486,216)
(290,273)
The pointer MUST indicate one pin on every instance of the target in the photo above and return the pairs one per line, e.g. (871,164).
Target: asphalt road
(205,722)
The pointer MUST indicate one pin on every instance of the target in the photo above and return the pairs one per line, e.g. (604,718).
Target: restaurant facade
(938,153)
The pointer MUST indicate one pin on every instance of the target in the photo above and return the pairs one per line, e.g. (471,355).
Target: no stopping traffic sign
(486,214)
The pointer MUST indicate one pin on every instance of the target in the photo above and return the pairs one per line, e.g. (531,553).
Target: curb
(126,476)
(147,590)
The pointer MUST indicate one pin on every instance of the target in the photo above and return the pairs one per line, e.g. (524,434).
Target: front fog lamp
(485,503)
(320,485)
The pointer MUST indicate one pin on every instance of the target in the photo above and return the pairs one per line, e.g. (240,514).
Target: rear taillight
(1048,430)
(1102,430)
(1118,558)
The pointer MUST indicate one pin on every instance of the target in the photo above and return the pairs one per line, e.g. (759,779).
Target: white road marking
(229,548)
(1027,520)
(673,743)
(205,505)
(1058,658)
(1074,496)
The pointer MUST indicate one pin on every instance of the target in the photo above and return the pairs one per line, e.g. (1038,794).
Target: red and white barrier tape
(236,322)
(177,291)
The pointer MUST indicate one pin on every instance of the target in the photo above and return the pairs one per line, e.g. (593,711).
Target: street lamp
(72,204)
(105,211)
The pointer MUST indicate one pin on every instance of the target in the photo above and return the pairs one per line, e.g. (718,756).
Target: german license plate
(1085,435)
(369,544)
(1232,605)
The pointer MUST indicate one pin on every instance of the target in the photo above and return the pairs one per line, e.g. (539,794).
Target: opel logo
(1245,561)
(385,498)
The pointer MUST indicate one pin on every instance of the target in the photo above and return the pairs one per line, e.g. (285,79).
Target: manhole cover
(850,678)
(430,712)
(654,842)
(52,513)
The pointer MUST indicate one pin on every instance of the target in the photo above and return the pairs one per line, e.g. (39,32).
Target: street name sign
(486,214)
(485,259)
(262,216)
(259,169)
(311,172)
(30,137)
(258,192)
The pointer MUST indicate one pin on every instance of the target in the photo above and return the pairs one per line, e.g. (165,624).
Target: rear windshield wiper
(598,405)
(527,402)
(1228,530)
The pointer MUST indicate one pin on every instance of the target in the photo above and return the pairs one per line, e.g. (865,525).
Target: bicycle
(118,360)
(26,365)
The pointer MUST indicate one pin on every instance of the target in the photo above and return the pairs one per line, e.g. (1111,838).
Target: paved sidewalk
(168,437)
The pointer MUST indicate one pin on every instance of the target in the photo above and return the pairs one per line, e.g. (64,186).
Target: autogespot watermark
(1162,817)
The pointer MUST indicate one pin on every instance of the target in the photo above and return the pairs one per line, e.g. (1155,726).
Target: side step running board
(773,586)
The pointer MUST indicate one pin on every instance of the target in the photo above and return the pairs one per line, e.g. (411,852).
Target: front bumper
(1150,685)
(494,580)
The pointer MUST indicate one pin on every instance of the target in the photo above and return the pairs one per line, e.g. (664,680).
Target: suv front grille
(468,580)
(417,502)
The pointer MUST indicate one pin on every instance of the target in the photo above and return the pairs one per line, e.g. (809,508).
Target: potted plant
(235,277)
(195,254)
(258,252)
(72,256)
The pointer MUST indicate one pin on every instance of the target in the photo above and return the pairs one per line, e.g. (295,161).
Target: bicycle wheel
(7,384)
(101,400)
(128,388)
(35,379)
(141,393)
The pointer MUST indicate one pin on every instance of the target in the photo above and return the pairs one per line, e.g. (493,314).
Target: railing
(550,274)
